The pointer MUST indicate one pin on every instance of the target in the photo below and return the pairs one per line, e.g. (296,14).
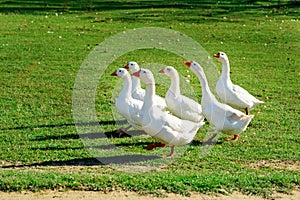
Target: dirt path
(80,195)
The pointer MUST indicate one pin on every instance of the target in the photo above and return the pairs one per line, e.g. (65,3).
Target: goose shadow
(205,143)
(74,136)
(103,147)
(80,124)
(124,159)
(94,135)
(111,134)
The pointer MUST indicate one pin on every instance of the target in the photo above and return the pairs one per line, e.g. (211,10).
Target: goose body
(128,107)
(159,124)
(137,91)
(232,94)
(223,117)
(180,105)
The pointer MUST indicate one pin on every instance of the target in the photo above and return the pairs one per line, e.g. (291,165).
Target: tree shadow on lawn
(104,5)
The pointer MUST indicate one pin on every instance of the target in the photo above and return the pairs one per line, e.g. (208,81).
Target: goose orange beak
(162,71)
(137,74)
(217,55)
(188,64)
(114,73)
(126,66)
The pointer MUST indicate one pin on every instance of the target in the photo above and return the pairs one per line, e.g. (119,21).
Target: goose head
(133,66)
(145,75)
(194,66)
(120,72)
(221,56)
(168,70)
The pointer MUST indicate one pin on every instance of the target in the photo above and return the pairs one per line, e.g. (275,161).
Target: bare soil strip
(278,164)
(117,195)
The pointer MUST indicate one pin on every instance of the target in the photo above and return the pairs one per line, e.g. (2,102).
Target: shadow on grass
(108,134)
(108,5)
(103,147)
(112,134)
(111,122)
(96,135)
(125,159)
(199,143)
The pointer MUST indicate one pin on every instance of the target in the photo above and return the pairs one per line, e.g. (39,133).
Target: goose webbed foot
(122,131)
(235,137)
(154,146)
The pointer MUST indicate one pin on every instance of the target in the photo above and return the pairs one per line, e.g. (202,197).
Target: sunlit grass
(43,46)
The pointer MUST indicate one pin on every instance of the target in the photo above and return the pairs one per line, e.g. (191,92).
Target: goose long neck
(226,69)
(149,95)
(175,87)
(136,83)
(206,92)
(126,91)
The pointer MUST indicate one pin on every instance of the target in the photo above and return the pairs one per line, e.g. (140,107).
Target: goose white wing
(244,94)
(139,94)
(190,108)
(184,107)
(134,108)
(225,118)
(160,102)
(235,95)
(131,109)
(179,132)
(168,128)
(231,95)
(221,111)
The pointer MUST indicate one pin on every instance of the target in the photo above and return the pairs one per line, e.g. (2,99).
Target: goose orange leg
(235,137)
(171,153)
(210,140)
(247,111)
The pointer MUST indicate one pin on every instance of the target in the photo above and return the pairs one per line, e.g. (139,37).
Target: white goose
(137,91)
(159,124)
(224,118)
(180,105)
(231,94)
(127,106)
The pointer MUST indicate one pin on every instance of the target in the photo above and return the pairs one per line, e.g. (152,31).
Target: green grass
(43,45)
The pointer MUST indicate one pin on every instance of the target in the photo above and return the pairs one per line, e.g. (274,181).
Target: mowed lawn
(43,45)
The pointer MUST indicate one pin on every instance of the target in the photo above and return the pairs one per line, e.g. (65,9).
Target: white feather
(180,105)
(231,94)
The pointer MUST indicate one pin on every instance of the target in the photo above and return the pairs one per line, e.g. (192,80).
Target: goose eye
(120,70)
